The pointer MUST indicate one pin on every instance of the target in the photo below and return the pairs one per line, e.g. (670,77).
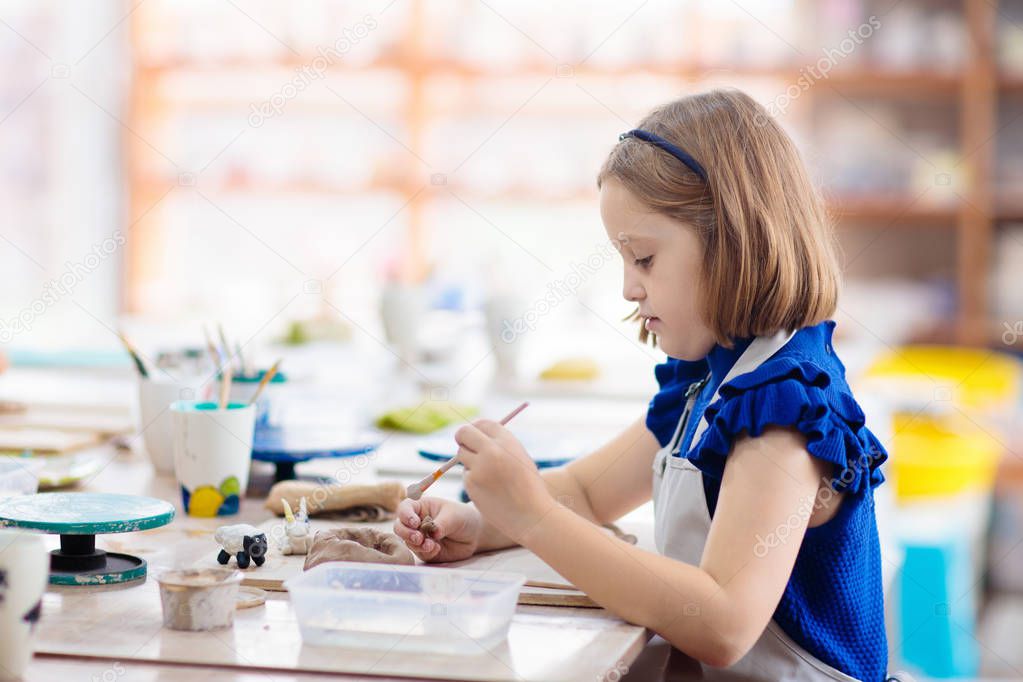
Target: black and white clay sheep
(243,541)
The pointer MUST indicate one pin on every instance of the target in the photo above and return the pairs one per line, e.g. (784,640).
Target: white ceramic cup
(212,455)
(24,572)
(155,423)
(503,315)
(402,309)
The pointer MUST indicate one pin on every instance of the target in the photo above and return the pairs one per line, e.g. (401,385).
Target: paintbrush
(214,355)
(223,344)
(416,490)
(243,363)
(139,365)
(225,386)
(267,378)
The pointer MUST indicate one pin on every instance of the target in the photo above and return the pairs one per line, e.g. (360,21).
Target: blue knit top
(833,603)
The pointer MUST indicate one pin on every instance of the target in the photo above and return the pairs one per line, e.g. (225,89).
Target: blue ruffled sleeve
(673,377)
(796,393)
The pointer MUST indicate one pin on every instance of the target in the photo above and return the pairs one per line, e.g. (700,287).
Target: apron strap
(760,350)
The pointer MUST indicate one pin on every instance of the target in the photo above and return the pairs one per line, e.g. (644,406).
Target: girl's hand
(456,532)
(502,479)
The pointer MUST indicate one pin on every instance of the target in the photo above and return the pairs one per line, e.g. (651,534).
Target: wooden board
(539,589)
(107,424)
(45,441)
(534,596)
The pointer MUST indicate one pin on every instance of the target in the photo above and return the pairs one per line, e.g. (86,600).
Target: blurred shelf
(1011,84)
(896,82)
(157,184)
(868,208)
(985,333)
(422,65)
(1010,211)
(859,78)
(282,188)
(894,210)
(156,68)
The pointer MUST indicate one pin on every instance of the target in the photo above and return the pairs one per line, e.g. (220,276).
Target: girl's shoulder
(808,358)
(802,386)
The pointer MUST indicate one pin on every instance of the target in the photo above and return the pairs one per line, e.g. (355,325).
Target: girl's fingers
(439,524)
(428,550)
(471,438)
(488,427)
(408,512)
(466,457)
(446,521)
(405,533)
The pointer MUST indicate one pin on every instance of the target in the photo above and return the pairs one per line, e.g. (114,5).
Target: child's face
(662,271)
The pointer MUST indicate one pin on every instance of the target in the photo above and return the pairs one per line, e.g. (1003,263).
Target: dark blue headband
(675,151)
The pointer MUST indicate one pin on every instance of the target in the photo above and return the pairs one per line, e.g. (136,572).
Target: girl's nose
(632,290)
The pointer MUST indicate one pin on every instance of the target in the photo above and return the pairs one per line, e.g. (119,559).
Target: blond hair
(769,260)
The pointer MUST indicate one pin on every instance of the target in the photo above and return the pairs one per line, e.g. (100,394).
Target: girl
(763,471)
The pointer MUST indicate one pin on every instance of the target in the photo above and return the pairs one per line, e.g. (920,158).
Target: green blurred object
(316,329)
(426,417)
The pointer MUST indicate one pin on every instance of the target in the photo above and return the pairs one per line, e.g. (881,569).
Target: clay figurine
(298,534)
(358,544)
(242,540)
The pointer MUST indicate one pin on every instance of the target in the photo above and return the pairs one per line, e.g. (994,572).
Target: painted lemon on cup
(205,501)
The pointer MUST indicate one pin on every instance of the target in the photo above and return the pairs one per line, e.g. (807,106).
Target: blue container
(937,608)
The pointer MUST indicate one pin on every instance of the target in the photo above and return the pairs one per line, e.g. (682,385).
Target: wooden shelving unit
(973,91)
(978,108)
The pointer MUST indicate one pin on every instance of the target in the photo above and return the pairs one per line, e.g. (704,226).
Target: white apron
(682,523)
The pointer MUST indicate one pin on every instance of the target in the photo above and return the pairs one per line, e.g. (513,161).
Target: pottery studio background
(384,189)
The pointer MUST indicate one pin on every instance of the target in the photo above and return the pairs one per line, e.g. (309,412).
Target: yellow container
(942,456)
(971,378)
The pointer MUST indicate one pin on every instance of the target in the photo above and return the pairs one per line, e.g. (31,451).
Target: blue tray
(546,451)
(286,447)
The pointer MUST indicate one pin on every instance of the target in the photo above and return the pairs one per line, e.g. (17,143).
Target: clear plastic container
(19,476)
(411,608)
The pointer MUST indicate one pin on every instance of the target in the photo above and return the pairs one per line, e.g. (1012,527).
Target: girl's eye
(644,262)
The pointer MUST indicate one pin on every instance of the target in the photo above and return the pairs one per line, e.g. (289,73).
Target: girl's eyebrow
(626,239)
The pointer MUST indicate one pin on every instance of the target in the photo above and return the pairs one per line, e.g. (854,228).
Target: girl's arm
(600,487)
(714,612)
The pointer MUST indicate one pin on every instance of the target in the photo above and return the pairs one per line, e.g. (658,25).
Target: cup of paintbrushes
(259,388)
(212,454)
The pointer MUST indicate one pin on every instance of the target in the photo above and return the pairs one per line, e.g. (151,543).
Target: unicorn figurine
(298,535)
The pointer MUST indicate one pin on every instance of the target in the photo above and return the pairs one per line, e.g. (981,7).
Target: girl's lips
(652,323)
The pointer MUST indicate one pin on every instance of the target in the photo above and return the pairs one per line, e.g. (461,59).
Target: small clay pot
(199,599)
